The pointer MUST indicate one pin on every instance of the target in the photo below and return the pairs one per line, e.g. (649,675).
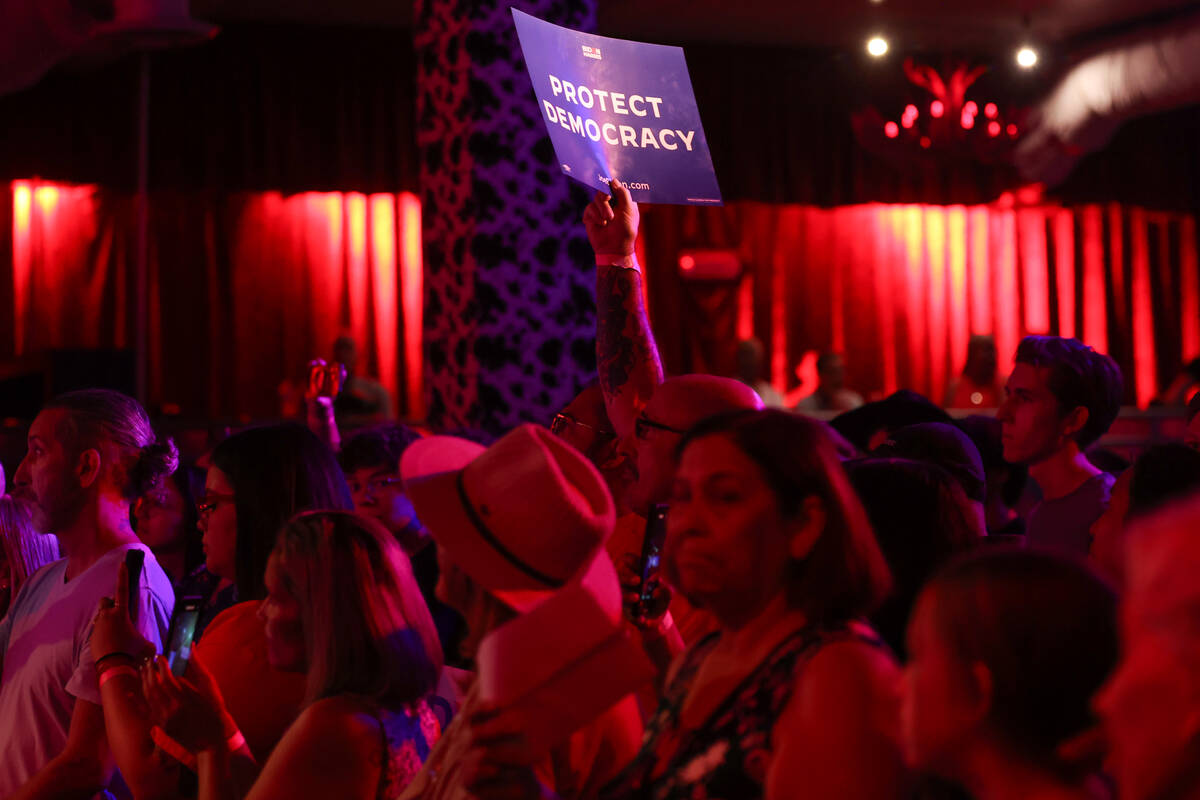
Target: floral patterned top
(408,736)
(726,758)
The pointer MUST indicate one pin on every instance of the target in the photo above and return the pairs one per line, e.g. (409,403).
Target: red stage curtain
(900,288)
(243,290)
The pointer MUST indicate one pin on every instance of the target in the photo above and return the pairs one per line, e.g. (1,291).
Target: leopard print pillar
(509,275)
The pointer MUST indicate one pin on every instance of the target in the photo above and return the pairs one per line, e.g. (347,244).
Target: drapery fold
(899,289)
(243,289)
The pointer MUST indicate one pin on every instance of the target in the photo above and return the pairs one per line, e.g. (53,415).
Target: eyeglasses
(643,425)
(558,426)
(209,502)
(375,484)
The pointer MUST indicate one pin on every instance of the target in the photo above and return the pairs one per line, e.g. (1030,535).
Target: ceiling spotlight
(877,46)
(1026,57)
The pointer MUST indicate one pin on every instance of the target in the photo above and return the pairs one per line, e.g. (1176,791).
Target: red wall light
(993,128)
(936,109)
(968,120)
(1011,130)
(891,130)
(990,111)
(710,265)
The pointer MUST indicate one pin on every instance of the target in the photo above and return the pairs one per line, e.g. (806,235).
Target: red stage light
(891,130)
(687,263)
(1011,130)
(968,120)
(911,111)
(970,108)
(925,142)
(990,111)
(993,128)
(936,109)
(906,121)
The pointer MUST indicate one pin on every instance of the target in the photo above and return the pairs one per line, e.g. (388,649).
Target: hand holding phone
(649,565)
(114,628)
(182,634)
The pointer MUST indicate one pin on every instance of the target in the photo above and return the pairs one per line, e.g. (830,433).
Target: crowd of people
(668,592)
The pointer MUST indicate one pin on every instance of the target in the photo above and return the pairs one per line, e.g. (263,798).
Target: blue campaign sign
(620,109)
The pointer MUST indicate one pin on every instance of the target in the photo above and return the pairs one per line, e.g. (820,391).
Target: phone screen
(135,559)
(183,630)
(652,544)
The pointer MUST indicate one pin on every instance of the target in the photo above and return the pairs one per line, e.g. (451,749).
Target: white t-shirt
(45,644)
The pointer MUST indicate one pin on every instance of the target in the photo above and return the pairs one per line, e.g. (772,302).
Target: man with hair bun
(90,454)
(1060,398)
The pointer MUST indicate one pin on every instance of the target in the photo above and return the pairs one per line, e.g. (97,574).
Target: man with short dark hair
(90,454)
(1060,398)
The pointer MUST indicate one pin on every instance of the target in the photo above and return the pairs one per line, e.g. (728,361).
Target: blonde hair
(367,630)
(26,549)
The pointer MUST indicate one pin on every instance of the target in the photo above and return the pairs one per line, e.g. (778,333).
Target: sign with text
(619,109)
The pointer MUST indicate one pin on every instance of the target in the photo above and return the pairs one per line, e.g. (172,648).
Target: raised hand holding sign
(620,109)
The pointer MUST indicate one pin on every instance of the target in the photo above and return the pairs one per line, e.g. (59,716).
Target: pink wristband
(617,260)
(173,748)
(113,672)
(235,742)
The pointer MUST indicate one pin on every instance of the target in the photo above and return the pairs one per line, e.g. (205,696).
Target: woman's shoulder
(848,671)
(344,719)
(853,652)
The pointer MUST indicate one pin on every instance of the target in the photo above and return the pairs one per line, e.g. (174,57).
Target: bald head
(682,401)
(677,404)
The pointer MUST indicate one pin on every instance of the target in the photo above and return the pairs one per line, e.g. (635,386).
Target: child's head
(1006,648)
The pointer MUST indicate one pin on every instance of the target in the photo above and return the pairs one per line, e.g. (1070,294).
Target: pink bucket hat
(521,518)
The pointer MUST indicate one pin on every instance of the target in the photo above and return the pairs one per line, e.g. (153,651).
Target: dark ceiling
(912,25)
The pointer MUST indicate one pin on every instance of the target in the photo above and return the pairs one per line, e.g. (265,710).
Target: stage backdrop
(900,288)
(245,288)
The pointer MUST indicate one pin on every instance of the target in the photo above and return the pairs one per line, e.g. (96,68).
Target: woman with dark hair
(165,520)
(921,519)
(1006,649)
(342,609)
(794,695)
(259,479)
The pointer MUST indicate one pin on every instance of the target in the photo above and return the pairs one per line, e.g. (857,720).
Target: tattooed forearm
(626,354)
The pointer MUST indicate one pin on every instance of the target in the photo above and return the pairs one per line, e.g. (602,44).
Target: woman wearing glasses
(166,519)
(259,479)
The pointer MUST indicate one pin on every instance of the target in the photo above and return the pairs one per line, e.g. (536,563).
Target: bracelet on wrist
(625,261)
(117,654)
(116,672)
(173,748)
